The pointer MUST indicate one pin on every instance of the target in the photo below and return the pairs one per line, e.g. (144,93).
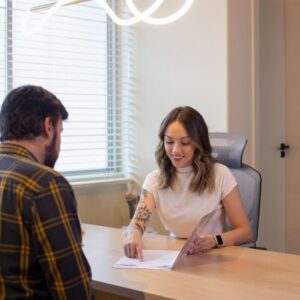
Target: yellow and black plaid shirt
(40,235)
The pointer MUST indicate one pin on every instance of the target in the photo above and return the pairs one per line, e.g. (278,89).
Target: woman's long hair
(203,162)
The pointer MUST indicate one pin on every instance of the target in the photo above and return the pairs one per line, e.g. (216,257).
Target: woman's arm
(241,228)
(133,246)
(241,232)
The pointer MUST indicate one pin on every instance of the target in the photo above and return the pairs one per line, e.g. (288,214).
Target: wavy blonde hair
(203,162)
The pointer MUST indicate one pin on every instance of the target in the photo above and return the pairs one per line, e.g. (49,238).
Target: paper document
(168,259)
(153,259)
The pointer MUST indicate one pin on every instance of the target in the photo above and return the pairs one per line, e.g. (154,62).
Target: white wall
(183,63)
(243,73)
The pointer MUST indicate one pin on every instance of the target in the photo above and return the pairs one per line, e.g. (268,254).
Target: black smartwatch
(219,241)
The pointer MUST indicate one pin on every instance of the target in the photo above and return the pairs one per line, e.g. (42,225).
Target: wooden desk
(228,273)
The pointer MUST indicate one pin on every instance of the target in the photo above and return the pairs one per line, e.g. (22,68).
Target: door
(271,124)
(279,122)
(292,117)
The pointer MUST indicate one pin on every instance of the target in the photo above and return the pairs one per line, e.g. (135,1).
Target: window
(76,55)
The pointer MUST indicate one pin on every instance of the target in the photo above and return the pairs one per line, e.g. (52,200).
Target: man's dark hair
(24,110)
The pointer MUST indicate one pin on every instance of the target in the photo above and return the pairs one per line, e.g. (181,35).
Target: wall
(243,73)
(102,204)
(183,63)
(105,204)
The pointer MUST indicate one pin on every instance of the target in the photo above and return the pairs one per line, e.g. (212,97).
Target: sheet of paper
(169,259)
(153,259)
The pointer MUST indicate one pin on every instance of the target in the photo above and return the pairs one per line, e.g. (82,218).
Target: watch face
(219,240)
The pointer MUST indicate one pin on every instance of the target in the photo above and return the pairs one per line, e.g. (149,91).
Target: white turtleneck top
(180,210)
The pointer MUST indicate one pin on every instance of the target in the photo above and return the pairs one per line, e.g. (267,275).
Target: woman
(188,185)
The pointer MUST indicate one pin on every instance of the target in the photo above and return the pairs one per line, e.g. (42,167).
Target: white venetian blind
(2,49)
(78,56)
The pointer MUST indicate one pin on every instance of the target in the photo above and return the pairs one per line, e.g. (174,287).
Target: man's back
(40,235)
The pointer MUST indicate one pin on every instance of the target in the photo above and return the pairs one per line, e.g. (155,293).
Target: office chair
(228,150)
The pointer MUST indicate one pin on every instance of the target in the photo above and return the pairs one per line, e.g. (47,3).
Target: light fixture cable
(138,16)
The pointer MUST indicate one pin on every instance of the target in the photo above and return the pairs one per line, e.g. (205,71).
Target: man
(40,235)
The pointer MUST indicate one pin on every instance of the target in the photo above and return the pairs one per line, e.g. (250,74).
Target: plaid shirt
(40,234)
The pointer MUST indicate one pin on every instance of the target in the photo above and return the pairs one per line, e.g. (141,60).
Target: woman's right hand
(133,247)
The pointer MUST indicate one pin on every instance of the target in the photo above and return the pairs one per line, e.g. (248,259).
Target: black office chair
(228,150)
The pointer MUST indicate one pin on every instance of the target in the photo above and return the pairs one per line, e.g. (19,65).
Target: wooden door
(292,120)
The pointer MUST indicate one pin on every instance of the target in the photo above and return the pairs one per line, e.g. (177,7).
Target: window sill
(77,185)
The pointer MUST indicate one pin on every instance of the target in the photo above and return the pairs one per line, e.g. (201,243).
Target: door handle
(283,147)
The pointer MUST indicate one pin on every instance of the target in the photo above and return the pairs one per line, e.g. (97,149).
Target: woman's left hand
(202,243)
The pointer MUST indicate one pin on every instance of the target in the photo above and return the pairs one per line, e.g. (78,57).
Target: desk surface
(227,273)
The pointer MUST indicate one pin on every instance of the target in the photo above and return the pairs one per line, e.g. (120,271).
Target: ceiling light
(138,16)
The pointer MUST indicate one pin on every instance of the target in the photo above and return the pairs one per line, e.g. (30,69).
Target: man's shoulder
(49,174)
(34,172)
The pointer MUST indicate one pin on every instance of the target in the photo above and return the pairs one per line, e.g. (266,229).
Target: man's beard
(51,154)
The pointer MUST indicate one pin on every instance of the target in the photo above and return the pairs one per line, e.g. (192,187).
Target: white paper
(169,259)
(153,259)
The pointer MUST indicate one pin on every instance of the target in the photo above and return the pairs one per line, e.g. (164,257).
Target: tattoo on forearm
(140,228)
(142,214)
(144,194)
(133,227)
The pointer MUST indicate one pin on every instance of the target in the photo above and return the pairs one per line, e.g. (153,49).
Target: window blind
(2,49)
(83,58)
